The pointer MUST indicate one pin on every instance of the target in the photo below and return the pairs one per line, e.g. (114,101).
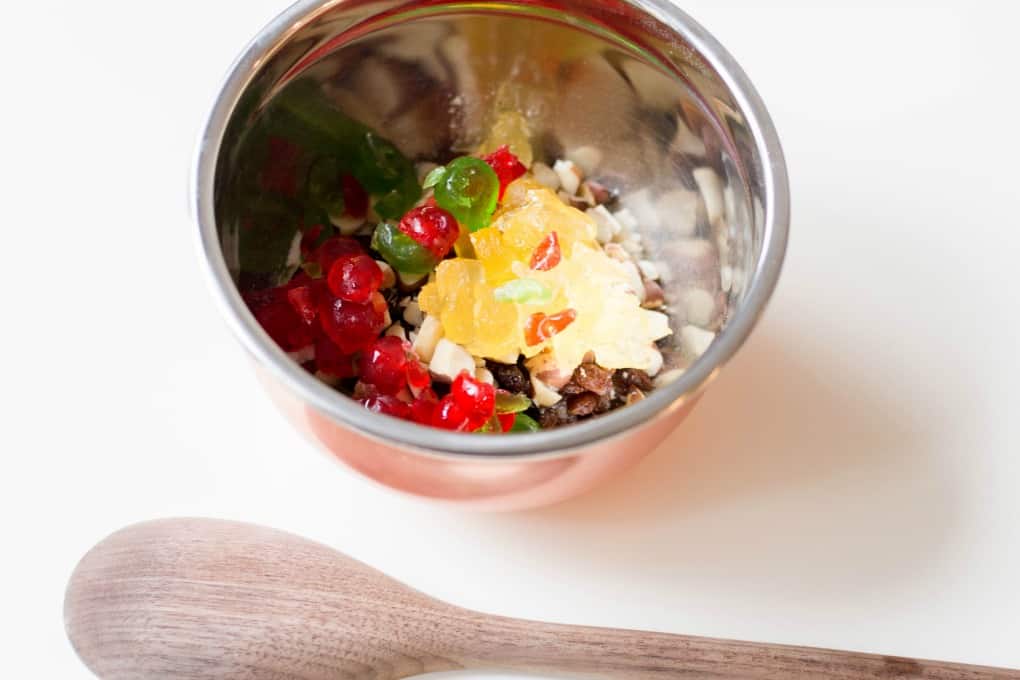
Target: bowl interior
(607,83)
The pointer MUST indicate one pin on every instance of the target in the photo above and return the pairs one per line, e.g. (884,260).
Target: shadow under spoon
(199,598)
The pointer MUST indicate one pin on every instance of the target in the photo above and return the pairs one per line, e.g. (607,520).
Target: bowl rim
(459,446)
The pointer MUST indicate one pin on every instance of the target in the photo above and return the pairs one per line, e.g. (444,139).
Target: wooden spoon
(198,598)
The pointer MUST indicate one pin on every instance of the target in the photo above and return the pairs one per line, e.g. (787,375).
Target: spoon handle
(633,655)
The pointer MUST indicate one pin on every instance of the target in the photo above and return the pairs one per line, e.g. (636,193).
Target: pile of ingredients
(486,297)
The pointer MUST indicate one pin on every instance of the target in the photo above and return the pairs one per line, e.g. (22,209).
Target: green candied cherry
(523,291)
(510,402)
(524,423)
(468,188)
(402,252)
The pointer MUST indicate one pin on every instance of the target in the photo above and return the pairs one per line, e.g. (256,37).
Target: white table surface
(849,482)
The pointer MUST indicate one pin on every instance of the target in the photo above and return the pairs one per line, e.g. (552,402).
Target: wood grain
(194,599)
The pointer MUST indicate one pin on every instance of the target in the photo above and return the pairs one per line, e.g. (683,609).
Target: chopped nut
(545,368)
(648,269)
(584,404)
(655,297)
(449,360)
(389,277)
(570,175)
(544,394)
(599,192)
(606,226)
(626,219)
(545,176)
(412,313)
(584,197)
(428,336)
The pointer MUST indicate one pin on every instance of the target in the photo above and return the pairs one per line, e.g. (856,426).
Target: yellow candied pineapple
(528,214)
(609,318)
(462,299)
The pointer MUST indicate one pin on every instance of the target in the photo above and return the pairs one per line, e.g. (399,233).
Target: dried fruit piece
(523,291)
(547,255)
(353,326)
(524,423)
(468,188)
(384,364)
(354,278)
(387,404)
(432,227)
(508,402)
(449,416)
(541,327)
(507,167)
(475,398)
(403,253)
(333,249)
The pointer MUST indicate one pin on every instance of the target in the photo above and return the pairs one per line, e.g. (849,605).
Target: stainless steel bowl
(639,80)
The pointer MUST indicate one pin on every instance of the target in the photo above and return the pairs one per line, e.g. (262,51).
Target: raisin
(581,405)
(555,415)
(510,377)
(593,378)
(626,378)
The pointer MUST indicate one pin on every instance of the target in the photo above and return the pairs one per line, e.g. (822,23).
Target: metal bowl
(669,112)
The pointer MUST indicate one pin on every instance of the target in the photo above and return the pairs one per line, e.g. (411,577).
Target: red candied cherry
(302,299)
(507,166)
(353,326)
(387,404)
(331,361)
(449,416)
(547,255)
(506,420)
(432,227)
(424,406)
(354,278)
(475,398)
(276,316)
(418,378)
(332,249)
(384,364)
(355,197)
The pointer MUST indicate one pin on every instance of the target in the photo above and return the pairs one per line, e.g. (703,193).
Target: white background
(849,482)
